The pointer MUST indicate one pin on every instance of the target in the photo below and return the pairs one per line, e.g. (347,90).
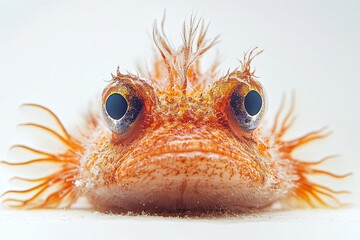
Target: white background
(59,54)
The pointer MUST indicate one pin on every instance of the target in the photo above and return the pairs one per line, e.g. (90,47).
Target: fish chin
(191,180)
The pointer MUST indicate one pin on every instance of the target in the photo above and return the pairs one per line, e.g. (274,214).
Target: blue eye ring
(121,106)
(247,106)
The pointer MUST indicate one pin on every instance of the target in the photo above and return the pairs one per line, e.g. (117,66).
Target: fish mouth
(191,159)
(185,175)
(188,147)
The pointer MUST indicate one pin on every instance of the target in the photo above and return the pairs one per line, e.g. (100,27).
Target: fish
(177,138)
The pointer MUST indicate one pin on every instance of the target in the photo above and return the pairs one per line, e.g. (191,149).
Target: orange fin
(57,189)
(305,192)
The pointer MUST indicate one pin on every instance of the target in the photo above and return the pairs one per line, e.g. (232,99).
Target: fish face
(193,154)
(178,138)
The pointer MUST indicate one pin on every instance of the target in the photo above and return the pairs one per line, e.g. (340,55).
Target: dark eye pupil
(116,106)
(253,102)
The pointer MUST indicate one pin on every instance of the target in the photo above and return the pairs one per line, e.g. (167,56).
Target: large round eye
(116,106)
(121,106)
(253,103)
(247,107)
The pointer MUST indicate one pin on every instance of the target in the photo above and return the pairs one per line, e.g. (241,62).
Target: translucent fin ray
(56,189)
(305,192)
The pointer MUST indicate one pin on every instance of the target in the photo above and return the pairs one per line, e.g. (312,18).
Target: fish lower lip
(189,163)
(183,180)
(190,146)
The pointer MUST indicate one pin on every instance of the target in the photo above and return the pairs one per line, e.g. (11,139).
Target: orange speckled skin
(184,157)
(185,150)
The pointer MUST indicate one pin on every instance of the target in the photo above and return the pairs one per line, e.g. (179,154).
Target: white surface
(77,224)
(57,53)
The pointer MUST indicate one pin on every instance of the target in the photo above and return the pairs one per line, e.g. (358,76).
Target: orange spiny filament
(57,188)
(305,192)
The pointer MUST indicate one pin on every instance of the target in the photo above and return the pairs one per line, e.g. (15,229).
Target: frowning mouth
(192,158)
(187,179)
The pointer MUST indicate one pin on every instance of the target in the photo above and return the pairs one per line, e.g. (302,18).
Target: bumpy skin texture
(184,151)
